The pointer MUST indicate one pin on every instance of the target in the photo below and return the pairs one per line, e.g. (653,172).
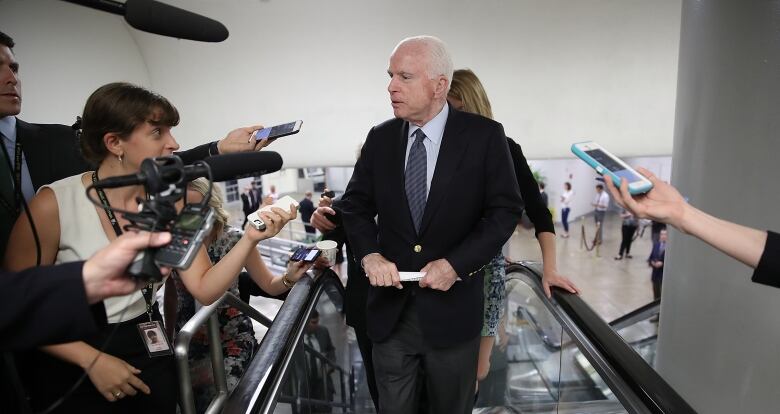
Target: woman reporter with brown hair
(123,124)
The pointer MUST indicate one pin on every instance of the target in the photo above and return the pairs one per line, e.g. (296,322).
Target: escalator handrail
(646,383)
(257,390)
(639,314)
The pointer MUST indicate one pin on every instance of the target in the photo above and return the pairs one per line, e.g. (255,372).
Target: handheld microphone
(162,19)
(159,172)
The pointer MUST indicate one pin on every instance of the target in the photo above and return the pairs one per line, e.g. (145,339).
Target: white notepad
(411,276)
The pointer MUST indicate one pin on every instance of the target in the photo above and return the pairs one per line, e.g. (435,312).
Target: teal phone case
(603,170)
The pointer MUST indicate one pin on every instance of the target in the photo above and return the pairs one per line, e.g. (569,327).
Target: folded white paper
(411,276)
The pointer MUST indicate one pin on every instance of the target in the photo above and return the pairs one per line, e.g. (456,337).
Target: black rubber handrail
(639,314)
(257,390)
(645,382)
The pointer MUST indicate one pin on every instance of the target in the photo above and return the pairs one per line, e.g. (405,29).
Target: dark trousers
(628,238)
(405,364)
(366,351)
(565,218)
(657,289)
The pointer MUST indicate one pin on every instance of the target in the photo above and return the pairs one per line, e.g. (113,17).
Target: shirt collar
(8,127)
(433,129)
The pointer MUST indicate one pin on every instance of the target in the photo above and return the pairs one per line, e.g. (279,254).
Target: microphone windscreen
(163,19)
(243,164)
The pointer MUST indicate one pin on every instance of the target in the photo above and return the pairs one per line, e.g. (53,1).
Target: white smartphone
(283,203)
(605,163)
(278,130)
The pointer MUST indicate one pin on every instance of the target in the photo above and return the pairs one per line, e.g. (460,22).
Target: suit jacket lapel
(38,160)
(453,147)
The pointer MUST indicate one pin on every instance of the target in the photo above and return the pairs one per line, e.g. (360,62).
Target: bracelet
(287,282)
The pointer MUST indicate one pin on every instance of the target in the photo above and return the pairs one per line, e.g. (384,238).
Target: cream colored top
(81,235)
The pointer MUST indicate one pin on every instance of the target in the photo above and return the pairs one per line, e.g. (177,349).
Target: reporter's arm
(207,282)
(740,242)
(46,305)
(268,282)
(665,204)
(237,140)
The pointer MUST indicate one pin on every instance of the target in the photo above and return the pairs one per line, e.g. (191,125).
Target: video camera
(165,181)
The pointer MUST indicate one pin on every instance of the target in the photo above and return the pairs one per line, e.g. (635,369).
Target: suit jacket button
(417,248)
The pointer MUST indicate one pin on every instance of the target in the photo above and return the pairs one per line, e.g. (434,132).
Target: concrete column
(719,340)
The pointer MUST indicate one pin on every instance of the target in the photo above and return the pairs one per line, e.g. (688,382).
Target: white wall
(66,52)
(557,71)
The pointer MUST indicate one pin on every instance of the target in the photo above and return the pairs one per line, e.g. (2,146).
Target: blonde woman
(467,94)
(238,337)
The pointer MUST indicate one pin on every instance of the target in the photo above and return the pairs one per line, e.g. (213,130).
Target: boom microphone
(162,19)
(237,165)
(163,171)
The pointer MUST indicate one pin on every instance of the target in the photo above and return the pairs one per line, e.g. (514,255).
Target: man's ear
(441,87)
(113,143)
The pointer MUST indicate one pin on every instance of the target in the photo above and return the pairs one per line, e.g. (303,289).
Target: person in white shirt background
(566,198)
(600,204)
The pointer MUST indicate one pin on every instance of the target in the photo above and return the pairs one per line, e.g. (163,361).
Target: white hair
(440,62)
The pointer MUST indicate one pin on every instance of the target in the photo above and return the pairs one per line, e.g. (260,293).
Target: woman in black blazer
(467,94)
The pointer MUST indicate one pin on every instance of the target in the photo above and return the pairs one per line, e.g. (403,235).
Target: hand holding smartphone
(304,254)
(605,163)
(278,131)
(283,203)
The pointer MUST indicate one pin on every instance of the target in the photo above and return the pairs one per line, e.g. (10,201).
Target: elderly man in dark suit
(441,184)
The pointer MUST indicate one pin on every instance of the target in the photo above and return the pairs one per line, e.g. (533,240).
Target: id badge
(154,339)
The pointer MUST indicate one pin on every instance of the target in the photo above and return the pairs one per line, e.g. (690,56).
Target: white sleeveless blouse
(81,235)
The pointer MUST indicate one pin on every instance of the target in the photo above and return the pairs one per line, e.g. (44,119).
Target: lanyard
(17,179)
(148,289)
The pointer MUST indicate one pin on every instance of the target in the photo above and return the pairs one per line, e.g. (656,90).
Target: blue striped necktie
(416,179)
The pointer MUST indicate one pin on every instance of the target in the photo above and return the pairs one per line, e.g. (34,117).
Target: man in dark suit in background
(656,261)
(248,202)
(306,207)
(411,174)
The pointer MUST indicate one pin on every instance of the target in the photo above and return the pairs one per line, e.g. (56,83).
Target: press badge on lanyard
(152,335)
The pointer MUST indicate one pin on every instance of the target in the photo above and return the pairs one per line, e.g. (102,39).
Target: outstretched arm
(665,204)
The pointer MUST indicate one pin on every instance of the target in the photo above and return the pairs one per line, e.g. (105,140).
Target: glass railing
(553,356)
(639,328)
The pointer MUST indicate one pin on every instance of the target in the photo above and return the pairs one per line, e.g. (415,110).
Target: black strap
(148,289)
(16,208)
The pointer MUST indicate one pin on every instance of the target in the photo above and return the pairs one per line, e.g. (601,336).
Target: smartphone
(605,163)
(278,130)
(283,203)
(303,254)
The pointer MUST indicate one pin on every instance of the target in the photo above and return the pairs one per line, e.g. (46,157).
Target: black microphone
(237,165)
(160,172)
(162,19)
